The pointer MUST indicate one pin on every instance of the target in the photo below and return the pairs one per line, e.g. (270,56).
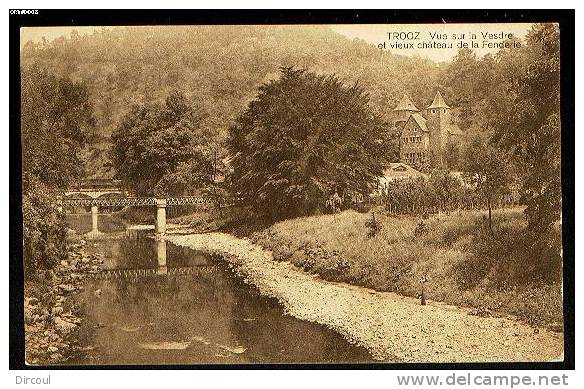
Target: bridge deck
(137,201)
(137,273)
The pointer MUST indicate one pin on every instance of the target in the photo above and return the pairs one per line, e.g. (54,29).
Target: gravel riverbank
(390,326)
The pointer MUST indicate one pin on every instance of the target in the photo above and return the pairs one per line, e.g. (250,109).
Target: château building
(425,136)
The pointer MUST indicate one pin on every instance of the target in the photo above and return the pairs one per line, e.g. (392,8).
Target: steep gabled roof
(438,102)
(406,105)
(420,121)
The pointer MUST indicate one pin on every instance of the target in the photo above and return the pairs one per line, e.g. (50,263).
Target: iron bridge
(136,201)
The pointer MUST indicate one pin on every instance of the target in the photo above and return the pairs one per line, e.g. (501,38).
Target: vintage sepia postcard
(306,193)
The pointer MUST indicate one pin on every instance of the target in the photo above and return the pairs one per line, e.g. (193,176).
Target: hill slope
(218,67)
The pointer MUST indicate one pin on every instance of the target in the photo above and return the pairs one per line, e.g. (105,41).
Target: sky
(36,34)
(416,35)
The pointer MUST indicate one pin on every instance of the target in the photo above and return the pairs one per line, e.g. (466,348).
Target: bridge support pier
(160,227)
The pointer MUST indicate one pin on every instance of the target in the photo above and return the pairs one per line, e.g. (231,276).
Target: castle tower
(438,116)
(402,112)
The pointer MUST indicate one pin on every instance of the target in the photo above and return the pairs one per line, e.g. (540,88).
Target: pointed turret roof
(438,102)
(406,105)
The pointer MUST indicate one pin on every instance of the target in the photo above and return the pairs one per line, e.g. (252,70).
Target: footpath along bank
(392,327)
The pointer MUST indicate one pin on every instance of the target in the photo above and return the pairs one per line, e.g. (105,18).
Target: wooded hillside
(219,69)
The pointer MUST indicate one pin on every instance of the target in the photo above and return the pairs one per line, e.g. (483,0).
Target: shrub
(421,196)
(513,257)
(44,230)
(421,229)
(374,226)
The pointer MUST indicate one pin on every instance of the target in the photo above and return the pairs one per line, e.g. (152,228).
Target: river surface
(157,303)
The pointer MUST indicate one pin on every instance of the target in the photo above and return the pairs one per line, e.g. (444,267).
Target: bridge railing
(137,201)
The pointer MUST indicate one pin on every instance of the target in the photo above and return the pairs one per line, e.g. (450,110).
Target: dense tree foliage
(44,228)
(56,122)
(305,137)
(164,147)
(441,192)
(528,126)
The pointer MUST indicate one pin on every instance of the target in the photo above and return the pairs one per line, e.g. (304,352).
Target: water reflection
(161,255)
(207,315)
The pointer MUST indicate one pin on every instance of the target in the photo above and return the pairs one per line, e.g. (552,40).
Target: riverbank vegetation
(454,259)
(496,261)
(52,314)
(56,123)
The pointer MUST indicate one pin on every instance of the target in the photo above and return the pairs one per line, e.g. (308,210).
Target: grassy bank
(453,258)
(234,220)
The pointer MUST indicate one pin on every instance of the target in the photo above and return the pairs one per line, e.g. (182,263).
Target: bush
(373,225)
(140,215)
(44,230)
(511,258)
(421,229)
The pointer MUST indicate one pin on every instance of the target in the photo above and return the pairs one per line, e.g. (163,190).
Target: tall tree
(304,137)
(56,122)
(529,127)
(155,139)
(488,170)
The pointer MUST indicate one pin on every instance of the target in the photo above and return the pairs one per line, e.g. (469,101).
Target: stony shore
(51,315)
(392,327)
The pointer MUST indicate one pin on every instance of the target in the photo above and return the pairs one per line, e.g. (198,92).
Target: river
(157,303)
